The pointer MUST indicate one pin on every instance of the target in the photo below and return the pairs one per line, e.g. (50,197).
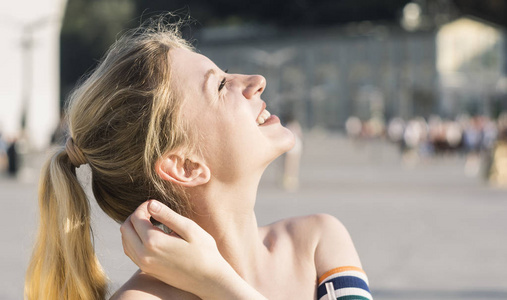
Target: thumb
(176,222)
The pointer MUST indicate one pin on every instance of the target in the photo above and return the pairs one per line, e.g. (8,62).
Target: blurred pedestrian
(3,153)
(293,157)
(12,158)
(354,127)
(395,131)
(498,169)
(472,141)
(415,138)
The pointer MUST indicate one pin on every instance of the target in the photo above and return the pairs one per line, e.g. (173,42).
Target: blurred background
(400,109)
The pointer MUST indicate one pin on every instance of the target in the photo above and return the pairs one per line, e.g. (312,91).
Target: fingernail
(154,206)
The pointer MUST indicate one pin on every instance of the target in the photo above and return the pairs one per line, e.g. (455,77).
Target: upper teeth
(263,117)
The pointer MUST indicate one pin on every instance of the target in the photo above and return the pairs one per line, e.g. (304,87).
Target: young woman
(157,120)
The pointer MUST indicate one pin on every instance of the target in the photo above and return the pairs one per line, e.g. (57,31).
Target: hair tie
(75,154)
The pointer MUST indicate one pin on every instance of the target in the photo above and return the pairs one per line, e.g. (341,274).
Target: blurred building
(471,61)
(29,76)
(366,69)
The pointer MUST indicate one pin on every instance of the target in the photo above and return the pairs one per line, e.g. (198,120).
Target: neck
(226,211)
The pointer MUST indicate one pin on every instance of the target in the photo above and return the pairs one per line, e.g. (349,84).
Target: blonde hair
(122,118)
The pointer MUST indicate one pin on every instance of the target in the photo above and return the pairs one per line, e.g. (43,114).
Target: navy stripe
(343,282)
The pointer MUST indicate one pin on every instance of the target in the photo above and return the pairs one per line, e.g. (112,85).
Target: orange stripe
(338,270)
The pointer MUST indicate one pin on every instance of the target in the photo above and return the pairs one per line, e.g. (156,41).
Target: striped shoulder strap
(344,283)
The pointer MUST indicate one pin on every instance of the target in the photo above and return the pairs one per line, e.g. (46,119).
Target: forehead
(189,68)
(188,74)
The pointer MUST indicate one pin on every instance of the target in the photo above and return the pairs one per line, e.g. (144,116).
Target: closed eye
(222,83)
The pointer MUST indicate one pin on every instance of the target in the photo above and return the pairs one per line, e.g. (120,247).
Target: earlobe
(179,170)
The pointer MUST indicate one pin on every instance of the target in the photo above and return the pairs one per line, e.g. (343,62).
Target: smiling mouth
(263,116)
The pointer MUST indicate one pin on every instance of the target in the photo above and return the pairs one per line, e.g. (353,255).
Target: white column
(29,72)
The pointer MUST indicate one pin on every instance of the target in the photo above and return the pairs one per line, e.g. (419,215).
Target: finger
(180,225)
(132,244)
(140,220)
(129,233)
(137,249)
(147,232)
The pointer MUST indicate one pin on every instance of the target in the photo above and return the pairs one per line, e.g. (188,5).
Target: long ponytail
(121,119)
(64,264)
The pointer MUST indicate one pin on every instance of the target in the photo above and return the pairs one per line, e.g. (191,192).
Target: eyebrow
(206,77)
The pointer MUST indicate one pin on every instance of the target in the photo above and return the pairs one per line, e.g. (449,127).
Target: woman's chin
(286,143)
(280,145)
(290,143)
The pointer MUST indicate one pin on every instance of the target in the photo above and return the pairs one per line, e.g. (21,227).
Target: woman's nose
(254,85)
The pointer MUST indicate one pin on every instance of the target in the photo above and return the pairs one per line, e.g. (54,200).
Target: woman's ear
(183,171)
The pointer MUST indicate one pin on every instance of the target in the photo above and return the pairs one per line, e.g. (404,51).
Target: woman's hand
(187,258)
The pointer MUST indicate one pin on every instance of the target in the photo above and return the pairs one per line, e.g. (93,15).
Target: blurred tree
(89,27)
(97,22)
(491,10)
(280,12)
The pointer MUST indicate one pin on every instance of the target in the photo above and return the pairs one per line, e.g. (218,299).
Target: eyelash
(222,83)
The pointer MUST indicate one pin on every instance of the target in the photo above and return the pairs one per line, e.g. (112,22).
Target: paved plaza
(423,229)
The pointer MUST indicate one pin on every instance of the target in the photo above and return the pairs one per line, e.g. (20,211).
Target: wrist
(227,284)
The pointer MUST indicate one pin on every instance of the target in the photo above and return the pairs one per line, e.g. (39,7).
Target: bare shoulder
(310,229)
(144,287)
(323,237)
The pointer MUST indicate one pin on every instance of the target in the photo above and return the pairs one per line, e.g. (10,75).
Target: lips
(263,115)
(262,109)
